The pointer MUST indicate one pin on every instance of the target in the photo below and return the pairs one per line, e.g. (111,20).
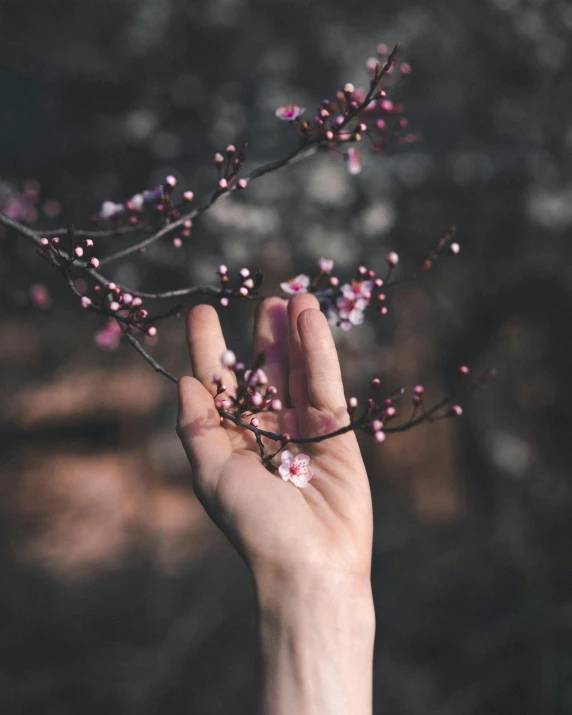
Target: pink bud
(418,390)
(256,399)
(378,282)
(111,286)
(405,68)
(85,302)
(188,196)
(276,404)
(334,281)
(228,358)
(188,223)
(152,331)
(114,305)
(383,310)
(456,411)
(94,262)
(454,248)
(88,243)
(377,425)
(177,242)
(391,411)
(223,184)
(255,422)
(464,370)
(379,436)
(142,313)
(78,251)
(243,291)
(44,242)
(242,183)
(218,158)
(171,181)
(225,404)
(271,390)
(127,299)
(244,272)
(230,149)
(392,258)
(353,402)
(362,270)
(349,88)
(375,383)
(329,135)
(56,241)
(224,301)
(136,302)
(249,283)
(222,270)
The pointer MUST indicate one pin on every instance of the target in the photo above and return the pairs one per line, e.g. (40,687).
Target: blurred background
(117,595)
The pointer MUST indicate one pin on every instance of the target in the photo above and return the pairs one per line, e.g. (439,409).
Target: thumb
(198,425)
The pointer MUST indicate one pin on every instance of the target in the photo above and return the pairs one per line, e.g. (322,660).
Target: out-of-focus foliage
(471,566)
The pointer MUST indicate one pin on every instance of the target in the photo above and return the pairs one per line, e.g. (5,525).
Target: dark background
(116,595)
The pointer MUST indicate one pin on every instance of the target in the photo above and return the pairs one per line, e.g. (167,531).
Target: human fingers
(206,346)
(297,387)
(322,367)
(206,442)
(271,339)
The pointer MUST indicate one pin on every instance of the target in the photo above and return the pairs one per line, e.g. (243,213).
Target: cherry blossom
(289,112)
(295,469)
(298,284)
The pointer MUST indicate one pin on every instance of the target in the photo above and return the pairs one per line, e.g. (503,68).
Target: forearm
(316,645)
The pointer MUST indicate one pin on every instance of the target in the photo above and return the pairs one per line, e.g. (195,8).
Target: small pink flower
(299,284)
(353,158)
(40,296)
(351,309)
(109,336)
(289,112)
(325,265)
(295,469)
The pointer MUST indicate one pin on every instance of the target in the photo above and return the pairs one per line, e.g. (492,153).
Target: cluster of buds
(356,112)
(344,304)
(248,284)
(253,393)
(228,167)
(111,300)
(158,201)
(51,250)
(25,205)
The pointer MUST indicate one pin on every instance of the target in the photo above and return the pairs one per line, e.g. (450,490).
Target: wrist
(316,640)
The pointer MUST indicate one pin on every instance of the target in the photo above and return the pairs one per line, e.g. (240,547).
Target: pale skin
(309,550)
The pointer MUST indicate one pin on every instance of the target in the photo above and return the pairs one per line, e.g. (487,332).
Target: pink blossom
(110,209)
(295,469)
(40,296)
(289,112)
(299,284)
(108,337)
(325,265)
(353,158)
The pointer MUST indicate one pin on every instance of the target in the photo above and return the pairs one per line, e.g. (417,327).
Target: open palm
(273,524)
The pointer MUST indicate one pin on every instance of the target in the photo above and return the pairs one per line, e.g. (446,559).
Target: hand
(277,527)
(309,549)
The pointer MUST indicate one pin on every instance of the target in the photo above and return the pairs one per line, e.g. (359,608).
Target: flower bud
(223,184)
(188,196)
(171,181)
(228,358)
(152,331)
(78,251)
(94,262)
(276,404)
(392,258)
(255,422)
(224,301)
(454,248)
(85,302)
(218,159)
(242,183)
